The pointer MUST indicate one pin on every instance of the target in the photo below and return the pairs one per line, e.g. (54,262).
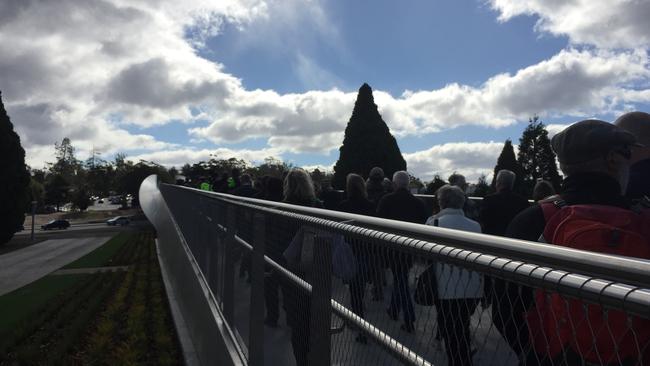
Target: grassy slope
(102,255)
(17,305)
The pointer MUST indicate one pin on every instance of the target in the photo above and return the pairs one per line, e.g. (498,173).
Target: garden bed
(119,318)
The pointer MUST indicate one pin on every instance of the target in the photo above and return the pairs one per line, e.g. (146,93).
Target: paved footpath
(21,267)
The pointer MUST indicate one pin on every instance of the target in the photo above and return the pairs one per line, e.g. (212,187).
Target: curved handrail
(614,268)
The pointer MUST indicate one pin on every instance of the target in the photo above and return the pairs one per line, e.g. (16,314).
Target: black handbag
(426,289)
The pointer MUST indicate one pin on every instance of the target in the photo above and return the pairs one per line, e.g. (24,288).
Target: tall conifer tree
(507,160)
(536,157)
(14,179)
(367,142)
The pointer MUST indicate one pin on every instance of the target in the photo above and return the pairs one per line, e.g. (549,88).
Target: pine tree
(536,158)
(433,186)
(367,142)
(507,160)
(14,179)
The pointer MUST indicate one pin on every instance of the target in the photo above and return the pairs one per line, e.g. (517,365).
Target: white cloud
(604,23)
(79,69)
(573,82)
(468,158)
(85,69)
(554,129)
(180,157)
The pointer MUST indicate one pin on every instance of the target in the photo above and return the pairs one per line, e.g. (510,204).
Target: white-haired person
(458,290)
(403,206)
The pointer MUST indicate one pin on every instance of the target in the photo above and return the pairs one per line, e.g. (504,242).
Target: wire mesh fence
(318,290)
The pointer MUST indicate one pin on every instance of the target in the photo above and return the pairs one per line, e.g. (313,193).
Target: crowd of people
(607,170)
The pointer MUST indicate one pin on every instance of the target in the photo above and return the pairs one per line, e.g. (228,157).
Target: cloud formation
(469,159)
(603,23)
(87,69)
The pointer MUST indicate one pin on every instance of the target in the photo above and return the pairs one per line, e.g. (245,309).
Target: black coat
(245,191)
(362,249)
(639,184)
(403,206)
(497,210)
(585,188)
(359,206)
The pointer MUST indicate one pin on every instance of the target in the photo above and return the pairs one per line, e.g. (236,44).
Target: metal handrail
(613,268)
(393,346)
(612,294)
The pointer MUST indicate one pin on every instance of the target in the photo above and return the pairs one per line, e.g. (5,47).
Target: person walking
(403,206)
(458,290)
(357,203)
(497,211)
(595,157)
(298,190)
(638,124)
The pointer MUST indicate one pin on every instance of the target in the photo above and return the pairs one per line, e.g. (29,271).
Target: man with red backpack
(592,214)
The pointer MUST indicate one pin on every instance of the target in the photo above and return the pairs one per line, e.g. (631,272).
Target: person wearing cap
(595,157)
(638,124)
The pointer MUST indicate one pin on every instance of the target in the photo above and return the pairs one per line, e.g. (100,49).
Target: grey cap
(589,139)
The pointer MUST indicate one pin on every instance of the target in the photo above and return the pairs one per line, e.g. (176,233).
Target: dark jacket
(359,206)
(585,188)
(375,191)
(403,206)
(361,248)
(245,191)
(330,199)
(497,210)
(639,184)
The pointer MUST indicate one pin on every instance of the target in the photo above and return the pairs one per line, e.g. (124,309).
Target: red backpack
(597,335)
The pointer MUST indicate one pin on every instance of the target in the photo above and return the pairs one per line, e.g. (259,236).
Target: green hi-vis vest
(205,186)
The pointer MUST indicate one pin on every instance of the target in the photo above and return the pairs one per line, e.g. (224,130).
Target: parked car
(56,224)
(119,220)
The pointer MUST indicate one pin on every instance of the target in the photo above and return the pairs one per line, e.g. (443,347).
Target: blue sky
(175,83)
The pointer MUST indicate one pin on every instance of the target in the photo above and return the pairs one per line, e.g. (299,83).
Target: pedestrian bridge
(222,257)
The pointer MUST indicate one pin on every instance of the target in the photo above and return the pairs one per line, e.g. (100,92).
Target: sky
(178,82)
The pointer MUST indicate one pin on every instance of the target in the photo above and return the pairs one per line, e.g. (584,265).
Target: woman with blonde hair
(298,190)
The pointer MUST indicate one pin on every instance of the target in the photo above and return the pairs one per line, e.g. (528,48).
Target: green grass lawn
(19,304)
(103,255)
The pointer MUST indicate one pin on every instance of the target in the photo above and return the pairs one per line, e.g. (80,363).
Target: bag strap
(550,207)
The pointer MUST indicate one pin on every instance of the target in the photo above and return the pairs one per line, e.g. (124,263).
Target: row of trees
(69,179)
(367,143)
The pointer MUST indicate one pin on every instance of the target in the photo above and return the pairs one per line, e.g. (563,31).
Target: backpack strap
(550,207)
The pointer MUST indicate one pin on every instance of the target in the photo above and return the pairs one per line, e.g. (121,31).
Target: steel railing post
(321,306)
(229,266)
(256,333)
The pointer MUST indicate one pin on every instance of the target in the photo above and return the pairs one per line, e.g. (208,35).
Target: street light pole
(33,214)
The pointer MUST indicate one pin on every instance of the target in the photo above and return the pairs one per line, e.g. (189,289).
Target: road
(73,228)
(23,266)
